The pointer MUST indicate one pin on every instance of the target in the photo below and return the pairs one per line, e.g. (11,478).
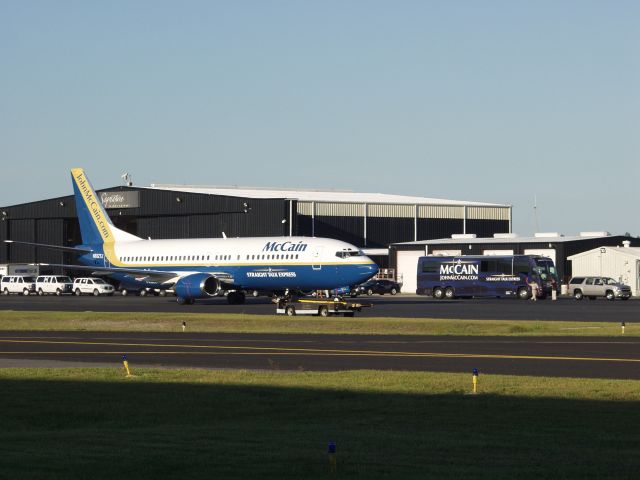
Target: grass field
(196,424)
(94,423)
(234,323)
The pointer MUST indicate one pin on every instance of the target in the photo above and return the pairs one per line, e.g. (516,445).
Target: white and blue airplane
(202,268)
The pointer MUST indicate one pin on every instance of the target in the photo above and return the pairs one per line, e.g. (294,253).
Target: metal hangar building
(371,221)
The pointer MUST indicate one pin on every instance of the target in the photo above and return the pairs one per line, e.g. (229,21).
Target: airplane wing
(54,247)
(140,274)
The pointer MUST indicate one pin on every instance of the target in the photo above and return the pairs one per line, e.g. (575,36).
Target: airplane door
(317,258)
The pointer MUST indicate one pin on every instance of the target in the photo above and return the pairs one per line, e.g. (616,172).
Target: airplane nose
(369,271)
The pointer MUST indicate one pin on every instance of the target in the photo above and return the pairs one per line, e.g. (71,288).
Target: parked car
(19,284)
(93,286)
(594,287)
(54,284)
(376,286)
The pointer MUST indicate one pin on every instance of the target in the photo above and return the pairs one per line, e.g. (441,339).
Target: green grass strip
(196,424)
(239,323)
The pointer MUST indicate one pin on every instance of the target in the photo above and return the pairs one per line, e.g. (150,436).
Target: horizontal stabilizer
(54,247)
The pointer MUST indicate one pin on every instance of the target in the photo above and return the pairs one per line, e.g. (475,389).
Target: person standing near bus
(534,289)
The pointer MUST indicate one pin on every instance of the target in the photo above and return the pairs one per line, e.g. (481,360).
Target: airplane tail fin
(95,225)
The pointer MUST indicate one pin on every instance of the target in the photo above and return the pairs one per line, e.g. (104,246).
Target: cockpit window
(348,253)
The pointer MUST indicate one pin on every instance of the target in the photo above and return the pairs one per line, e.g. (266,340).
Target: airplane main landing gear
(185,301)
(235,298)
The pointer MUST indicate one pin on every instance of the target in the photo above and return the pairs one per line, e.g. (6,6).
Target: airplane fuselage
(251,263)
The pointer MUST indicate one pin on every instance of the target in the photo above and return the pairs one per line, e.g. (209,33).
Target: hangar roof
(506,240)
(628,251)
(319,195)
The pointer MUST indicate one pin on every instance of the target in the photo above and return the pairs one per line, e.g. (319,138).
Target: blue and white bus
(485,276)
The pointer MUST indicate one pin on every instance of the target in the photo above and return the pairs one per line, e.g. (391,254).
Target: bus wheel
(290,311)
(523,294)
(438,293)
(323,311)
(449,293)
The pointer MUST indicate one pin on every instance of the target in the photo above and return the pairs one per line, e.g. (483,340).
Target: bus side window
(504,266)
(488,266)
(430,266)
(521,266)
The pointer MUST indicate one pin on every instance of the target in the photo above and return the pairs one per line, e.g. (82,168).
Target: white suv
(91,285)
(57,284)
(18,284)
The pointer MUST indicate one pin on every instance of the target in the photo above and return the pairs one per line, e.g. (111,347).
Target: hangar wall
(379,225)
(156,214)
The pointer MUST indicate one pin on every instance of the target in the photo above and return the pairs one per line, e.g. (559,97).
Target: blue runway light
(475,372)
(333,460)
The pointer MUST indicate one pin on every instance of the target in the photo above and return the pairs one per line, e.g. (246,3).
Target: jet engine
(197,285)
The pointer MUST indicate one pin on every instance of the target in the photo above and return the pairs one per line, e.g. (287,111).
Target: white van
(92,285)
(18,284)
(54,284)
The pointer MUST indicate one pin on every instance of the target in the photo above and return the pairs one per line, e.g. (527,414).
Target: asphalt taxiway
(407,306)
(591,357)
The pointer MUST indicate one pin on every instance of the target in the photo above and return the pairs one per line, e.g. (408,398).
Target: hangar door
(407,262)
(497,252)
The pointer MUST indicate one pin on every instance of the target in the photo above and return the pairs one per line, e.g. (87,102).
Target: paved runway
(411,306)
(566,357)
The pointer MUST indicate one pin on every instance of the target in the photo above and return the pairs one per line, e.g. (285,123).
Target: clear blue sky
(492,101)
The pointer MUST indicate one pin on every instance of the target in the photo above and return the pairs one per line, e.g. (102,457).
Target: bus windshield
(546,269)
